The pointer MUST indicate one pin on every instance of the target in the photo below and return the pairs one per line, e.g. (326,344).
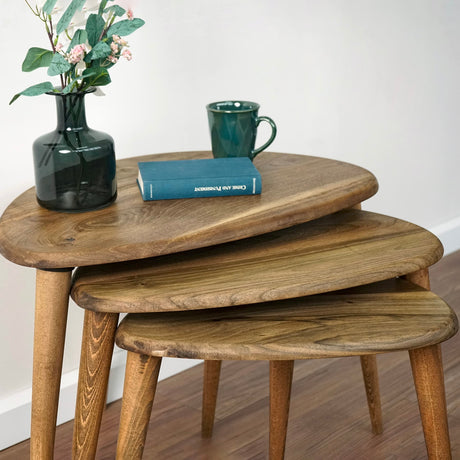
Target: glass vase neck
(71,114)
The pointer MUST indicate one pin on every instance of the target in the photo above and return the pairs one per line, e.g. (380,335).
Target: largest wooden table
(296,189)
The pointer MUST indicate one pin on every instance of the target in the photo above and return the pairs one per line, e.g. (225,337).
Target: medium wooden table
(348,248)
(296,189)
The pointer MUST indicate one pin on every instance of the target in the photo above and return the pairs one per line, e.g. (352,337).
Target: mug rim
(211,106)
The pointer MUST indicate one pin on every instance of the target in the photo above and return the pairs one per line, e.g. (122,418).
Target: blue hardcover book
(163,180)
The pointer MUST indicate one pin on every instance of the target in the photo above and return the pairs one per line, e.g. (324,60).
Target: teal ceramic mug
(233,126)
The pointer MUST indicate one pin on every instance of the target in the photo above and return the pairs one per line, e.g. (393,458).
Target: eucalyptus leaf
(96,76)
(94,28)
(68,15)
(116,10)
(102,6)
(35,90)
(58,65)
(48,6)
(35,58)
(125,27)
(80,36)
(101,50)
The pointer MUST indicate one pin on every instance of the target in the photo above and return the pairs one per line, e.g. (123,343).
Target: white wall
(372,82)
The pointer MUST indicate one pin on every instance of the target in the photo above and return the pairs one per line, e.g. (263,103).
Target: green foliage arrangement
(86,40)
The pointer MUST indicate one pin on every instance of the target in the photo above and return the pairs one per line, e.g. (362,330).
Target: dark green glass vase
(75,167)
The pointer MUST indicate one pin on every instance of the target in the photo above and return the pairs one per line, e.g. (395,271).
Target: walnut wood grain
(346,249)
(296,188)
(387,316)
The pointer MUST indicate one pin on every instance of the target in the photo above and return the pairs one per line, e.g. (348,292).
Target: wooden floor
(328,418)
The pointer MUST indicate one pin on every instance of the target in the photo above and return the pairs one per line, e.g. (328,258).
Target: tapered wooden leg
(429,383)
(51,306)
(139,391)
(420,277)
(210,389)
(280,396)
(371,383)
(96,356)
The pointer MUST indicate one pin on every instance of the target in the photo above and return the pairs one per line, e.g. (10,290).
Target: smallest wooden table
(377,318)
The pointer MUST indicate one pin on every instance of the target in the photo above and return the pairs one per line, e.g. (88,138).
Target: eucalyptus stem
(33,11)
(110,22)
(50,33)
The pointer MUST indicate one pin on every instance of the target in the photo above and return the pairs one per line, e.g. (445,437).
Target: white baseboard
(449,234)
(15,409)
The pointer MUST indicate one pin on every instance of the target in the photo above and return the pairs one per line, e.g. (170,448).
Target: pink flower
(130,14)
(59,47)
(117,39)
(77,53)
(114,48)
(112,59)
(127,54)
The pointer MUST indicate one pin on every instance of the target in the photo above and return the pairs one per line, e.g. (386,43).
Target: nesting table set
(305,235)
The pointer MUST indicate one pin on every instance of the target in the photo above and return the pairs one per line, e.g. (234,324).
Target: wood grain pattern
(345,249)
(139,392)
(96,356)
(296,188)
(386,316)
(51,305)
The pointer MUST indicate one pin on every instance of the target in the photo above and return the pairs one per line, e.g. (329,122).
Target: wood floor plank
(328,416)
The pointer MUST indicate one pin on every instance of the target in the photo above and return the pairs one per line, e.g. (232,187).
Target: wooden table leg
(280,396)
(420,277)
(141,379)
(51,306)
(371,383)
(211,377)
(429,382)
(96,356)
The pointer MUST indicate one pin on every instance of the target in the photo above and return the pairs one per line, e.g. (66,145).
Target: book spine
(200,188)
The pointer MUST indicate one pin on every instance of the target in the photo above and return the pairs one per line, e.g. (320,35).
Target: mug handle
(272,137)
